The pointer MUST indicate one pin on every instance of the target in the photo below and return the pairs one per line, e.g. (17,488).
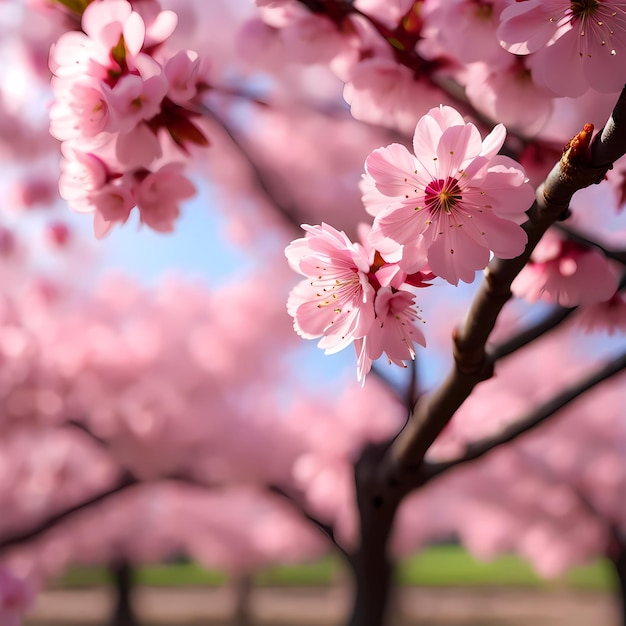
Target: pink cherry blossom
(112,100)
(137,148)
(394,331)
(181,71)
(159,196)
(567,273)
(453,201)
(336,302)
(112,204)
(79,110)
(578,44)
(135,98)
(380,91)
(466,29)
(81,174)
(608,316)
(353,296)
(508,94)
(108,22)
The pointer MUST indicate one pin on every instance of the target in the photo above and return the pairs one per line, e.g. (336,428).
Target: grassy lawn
(436,566)
(451,565)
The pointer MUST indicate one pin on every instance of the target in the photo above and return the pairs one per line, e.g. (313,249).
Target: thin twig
(526,336)
(327,529)
(535,417)
(289,214)
(577,237)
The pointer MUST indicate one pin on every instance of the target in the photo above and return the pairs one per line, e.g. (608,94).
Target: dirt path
(327,607)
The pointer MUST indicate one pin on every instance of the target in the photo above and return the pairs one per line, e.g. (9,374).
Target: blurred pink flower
(608,316)
(564,272)
(578,44)
(159,196)
(380,91)
(135,98)
(81,174)
(453,201)
(16,597)
(507,93)
(466,29)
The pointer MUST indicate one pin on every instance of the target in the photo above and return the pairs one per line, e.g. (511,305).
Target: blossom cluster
(441,211)
(351,295)
(119,97)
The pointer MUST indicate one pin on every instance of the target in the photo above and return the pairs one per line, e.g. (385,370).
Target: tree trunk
(371,565)
(242,587)
(123,613)
(618,558)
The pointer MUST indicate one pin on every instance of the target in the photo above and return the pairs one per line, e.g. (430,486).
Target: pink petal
(134,33)
(503,237)
(162,27)
(99,13)
(392,169)
(456,256)
(446,116)
(560,67)
(403,224)
(493,142)
(525,27)
(425,142)
(457,145)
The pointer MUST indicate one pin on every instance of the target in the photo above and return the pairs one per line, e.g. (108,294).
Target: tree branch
(557,316)
(580,166)
(125,481)
(327,529)
(534,418)
(579,238)
(289,214)
(551,321)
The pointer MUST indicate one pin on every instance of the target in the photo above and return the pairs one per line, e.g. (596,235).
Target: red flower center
(443,195)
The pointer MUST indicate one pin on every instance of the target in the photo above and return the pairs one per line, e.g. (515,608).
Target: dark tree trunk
(618,558)
(372,567)
(242,587)
(122,579)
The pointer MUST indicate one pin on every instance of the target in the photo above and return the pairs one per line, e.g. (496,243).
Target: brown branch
(102,443)
(125,481)
(534,418)
(579,238)
(580,166)
(289,214)
(554,319)
(327,529)
(526,336)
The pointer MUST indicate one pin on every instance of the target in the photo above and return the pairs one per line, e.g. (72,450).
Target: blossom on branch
(578,44)
(450,203)
(122,102)
(352,296)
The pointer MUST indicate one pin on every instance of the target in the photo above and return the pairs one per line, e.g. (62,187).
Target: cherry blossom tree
(299,112)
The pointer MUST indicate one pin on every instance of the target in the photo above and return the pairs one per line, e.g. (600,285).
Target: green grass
(436,566)
(452,566)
